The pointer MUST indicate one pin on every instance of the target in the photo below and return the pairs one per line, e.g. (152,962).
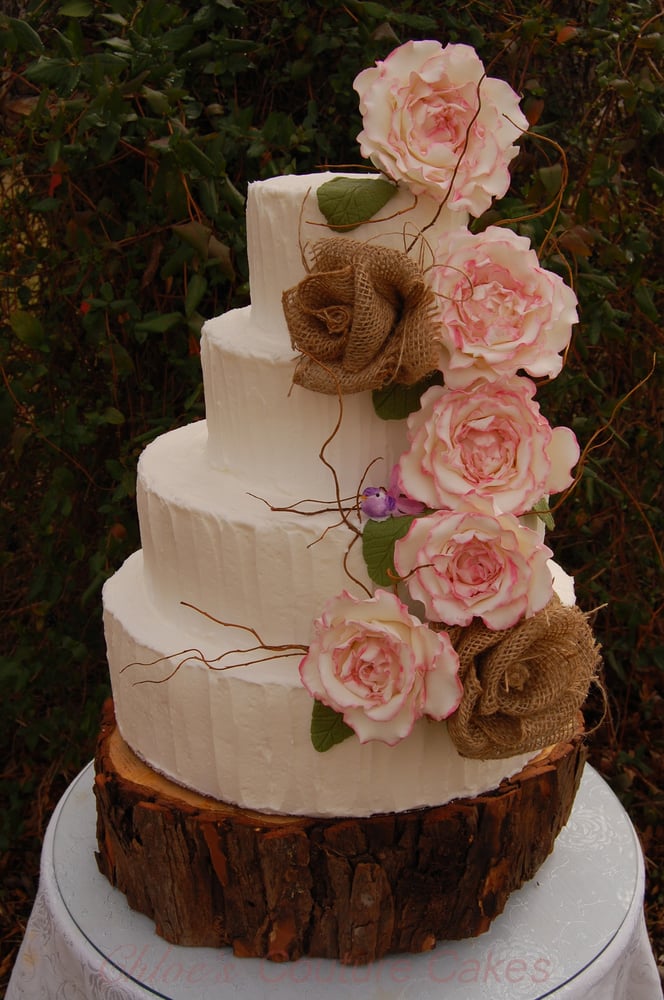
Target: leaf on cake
(327,727)
(396,402)
(378,540)
(543,511)
(347,202)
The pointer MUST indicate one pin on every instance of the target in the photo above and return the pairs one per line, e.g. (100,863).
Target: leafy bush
(131,132)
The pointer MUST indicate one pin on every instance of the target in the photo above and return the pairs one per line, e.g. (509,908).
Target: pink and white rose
(379,666)
(499,310)
(485,447)
(465,565)
(422,126)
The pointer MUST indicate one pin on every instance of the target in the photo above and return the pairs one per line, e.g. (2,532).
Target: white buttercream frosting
(269,433)
(219,532)
(208,541)
(262,427)
(284,222)
(242,734)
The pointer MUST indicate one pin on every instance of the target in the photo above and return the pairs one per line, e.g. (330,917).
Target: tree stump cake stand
(355,889)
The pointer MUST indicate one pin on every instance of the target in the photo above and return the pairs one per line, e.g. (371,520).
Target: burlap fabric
(362,319)
(523,687)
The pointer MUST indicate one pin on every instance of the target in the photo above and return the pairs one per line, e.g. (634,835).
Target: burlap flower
(362,318)
(522,688)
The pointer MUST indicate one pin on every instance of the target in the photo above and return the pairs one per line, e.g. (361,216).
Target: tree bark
(354,889)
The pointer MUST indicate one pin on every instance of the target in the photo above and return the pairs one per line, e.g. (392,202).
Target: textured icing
(210,538)
(261,426)
(207,541)
(242,735)
(284,221)
(270,432)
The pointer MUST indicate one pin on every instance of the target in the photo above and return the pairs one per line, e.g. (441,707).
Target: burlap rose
(522,688)
(362,318)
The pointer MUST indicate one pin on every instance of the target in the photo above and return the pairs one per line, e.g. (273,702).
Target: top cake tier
(284,222)
(261,427)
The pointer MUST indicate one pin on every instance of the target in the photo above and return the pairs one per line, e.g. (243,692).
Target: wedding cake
(344,636)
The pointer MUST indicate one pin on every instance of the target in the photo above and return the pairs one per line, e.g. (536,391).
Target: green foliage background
(130,132)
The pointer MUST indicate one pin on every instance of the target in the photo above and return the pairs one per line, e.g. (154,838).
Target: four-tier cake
(346,670)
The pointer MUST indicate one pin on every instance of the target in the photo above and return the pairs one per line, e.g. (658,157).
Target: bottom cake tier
(353,889)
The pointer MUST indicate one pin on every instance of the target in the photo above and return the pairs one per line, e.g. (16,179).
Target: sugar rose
(380,666)
(433,120)
(466,565)
(486,446)
(499,310)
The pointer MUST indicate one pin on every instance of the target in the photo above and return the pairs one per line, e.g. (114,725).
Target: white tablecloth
(575,931)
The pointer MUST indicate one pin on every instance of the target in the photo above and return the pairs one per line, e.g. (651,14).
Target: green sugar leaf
(378,541)
(396,402)
(327,727)
(543,511)
(347,202)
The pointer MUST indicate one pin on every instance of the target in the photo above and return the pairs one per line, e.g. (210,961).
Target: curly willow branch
(277,652)
(592,444)
(464,149)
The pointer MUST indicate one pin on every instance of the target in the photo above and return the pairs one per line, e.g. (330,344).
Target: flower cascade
(454,540)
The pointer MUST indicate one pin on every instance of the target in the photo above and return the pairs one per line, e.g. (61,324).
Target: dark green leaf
(396,402)
(645,302)
(221,253)
(120,44)
(27,38)
(157,100)
(28,328)
(195,292)
(235,198)
(55,71)
(378,540)
(196,235)
(178,38)
(115,354)
(113,416)
(367,8)
(327,727)
(108,141)
(600,280)
(656,178)
(189,155)
(551,178)
(207,190)
(46,205)
(347,202)
(160,324)
(76,8)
